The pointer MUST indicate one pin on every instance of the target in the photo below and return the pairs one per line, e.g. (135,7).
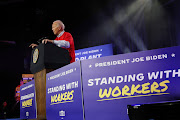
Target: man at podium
(63,39)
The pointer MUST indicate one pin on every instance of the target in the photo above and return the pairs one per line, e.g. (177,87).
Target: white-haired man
(63,39)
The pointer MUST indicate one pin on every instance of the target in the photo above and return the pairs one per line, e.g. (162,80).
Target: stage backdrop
(28,101)
(94,52)
(64,93)
(111,83)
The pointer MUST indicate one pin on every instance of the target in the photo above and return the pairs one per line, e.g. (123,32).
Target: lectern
(45,58)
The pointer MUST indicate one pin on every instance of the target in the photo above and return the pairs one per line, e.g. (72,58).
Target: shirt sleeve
(62,43)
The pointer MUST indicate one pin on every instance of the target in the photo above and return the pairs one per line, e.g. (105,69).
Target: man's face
(55,28)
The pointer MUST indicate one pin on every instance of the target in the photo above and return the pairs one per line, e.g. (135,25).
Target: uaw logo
(27,114)
(62,114)
(35,55)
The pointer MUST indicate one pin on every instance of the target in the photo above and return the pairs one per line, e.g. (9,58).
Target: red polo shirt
(68,37)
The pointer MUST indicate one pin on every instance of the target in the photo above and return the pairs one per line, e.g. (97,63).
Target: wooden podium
(45,58)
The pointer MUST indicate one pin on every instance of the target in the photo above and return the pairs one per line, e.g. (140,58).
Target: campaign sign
(64,93)
(28,101)
(111,83)
(94,52)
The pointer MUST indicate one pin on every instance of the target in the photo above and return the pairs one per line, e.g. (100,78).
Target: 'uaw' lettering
(62,97)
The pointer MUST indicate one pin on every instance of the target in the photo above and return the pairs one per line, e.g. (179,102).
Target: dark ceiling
(30,20)
(26,21)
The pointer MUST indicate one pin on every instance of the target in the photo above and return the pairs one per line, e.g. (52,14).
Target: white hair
(60,23)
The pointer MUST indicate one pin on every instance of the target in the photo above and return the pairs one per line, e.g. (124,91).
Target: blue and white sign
(112,83)
(64,93)
(28,101)
(94,52)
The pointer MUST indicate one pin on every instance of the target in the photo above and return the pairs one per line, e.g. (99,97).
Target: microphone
(40,40)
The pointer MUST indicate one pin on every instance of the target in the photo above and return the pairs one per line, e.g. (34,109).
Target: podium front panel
(28,101)
(48,56)
(64,93)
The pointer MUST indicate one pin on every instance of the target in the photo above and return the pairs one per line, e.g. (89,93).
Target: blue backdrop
(94,52)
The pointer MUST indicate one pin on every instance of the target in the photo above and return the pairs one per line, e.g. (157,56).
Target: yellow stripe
(132,96)
(61,102)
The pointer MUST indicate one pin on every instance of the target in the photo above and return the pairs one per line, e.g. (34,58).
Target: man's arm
(62,43)
(59,43)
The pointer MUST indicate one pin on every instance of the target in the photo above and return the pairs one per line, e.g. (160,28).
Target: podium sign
(28,101)
(112,83)
(64,93)
(48,56)
(94,52)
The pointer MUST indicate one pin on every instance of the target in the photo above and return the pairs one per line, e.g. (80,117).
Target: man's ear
(60,28)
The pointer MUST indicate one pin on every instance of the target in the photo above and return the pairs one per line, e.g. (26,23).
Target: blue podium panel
(28,101)
(94,52)
(111,83)
(64,93)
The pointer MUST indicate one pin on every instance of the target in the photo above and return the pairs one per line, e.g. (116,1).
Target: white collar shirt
(61,33)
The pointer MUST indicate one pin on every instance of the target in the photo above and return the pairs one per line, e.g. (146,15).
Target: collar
(61,33)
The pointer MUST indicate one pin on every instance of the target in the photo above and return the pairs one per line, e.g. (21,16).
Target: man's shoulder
(67,33)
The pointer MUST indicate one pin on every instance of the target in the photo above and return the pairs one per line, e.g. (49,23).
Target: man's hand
(33,45)
(47,40)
